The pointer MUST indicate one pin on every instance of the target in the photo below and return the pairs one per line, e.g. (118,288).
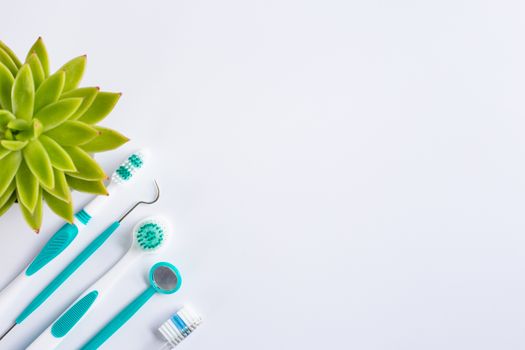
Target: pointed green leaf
(11,54)
(102,105)
(5,118)
(59,207)
(6,86)
(3,153)
(36,69)
(27,187)
(39,163)
(74,71)
(23,94)
(8,62)
(60,159)
(87,93)
(50,90)
(33,218)
(56,113)
(19,124)
(13,145)
(107,140)
(87,167)
(39,49)
(73,133)
(8,204)
(9,165)
(7,193)
(95,187)
(61,188)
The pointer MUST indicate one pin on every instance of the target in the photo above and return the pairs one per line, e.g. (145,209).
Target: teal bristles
(150,235)
(128,168)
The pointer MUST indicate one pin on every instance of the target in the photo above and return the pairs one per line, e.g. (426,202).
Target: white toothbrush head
(180,326)
(150,234)
(126,171)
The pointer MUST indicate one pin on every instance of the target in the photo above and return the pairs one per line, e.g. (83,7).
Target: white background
(339,174)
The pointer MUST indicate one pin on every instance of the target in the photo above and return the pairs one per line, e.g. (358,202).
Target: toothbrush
(164,279)
(179,327)
(54,251)
(149,236)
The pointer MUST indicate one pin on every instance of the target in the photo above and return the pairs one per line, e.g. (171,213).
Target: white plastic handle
(53,336)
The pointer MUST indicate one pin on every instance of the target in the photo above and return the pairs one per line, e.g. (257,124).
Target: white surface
(340,174)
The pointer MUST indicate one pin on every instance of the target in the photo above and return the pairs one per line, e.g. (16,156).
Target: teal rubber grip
(71,317)
(67,272)
(56,245)
(119,320)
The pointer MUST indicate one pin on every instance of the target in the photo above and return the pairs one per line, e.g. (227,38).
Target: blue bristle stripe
(180,324)
(83,217)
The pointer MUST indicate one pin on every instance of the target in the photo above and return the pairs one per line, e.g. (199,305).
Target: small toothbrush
(164,278)
(179,327)
(51,254)
(149,236)
(77,262)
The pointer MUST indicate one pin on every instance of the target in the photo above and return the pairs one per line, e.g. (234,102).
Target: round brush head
(126,171)
(150,234)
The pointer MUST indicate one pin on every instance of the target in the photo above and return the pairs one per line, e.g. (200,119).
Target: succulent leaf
(50,90)
(56,113)
(36,69)
(61,189)
(6,86)
(87,93)
(23,94)
(73,133)
(39,163)
(9,165)
(5,118)
(27,187)
(11,54)
(102,105)
(8,203)
(33,217)
(107,140)
(40,50)
(13,145)
(60,159)
(7,193)
(3,153)
(87,168)
(95,187)
(59,207)
(18,124)
(74,71)
(8,62)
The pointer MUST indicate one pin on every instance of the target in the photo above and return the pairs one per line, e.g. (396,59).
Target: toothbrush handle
(46,257)
(85,304)
(67,272)
(119,320)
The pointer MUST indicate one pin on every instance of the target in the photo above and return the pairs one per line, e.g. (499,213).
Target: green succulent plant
(48,134)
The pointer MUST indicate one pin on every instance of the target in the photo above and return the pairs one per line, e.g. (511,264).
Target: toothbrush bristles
(180,326)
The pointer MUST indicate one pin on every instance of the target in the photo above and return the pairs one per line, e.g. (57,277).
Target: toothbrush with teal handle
(164,278)
(54,251)
(149,236)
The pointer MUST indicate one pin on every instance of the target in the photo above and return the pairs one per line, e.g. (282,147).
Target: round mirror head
(165,278)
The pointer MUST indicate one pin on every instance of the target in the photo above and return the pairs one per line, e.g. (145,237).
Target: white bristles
(126,171)
(174,332)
